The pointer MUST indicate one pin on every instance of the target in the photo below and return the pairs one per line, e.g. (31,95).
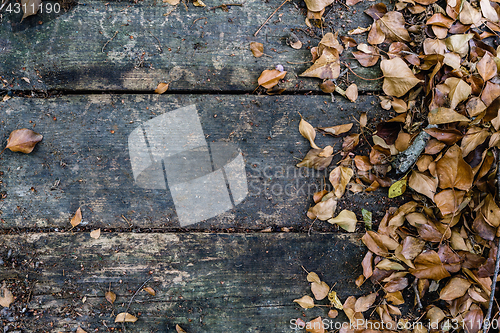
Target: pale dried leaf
(313,277)
(423,184)
(125,317)
(30,7)
(469,15)
(317,5)
(364,303)
(346,220)
(150,291)
(308,132)
(307,302)
(339,178)
(455,288)
(489,12)
(486,67)
(338,129)
(110,296)
(352,92)
(445,116)
(257,49)
(77,218)
(393,26)
(6,297)
(320,290)
(95,233)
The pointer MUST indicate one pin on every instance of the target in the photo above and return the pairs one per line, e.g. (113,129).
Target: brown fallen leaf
(346,220)
(150,291)
(315,159)
(315,326)
(80,330)
(257,49)
(339,178)
(473,138)
(77,218)
(352,92)
(486,67)
(366,59)
(323,210)
(429,266)
(453,171)
(125,317)
(455,288)
(199,3)
(6,297)
(459,91)
(95,233)
(448,201)
(308,132)
(320,290)
(313,277)
(423,184)
(398,78)
(445,116)
(488,11)
(327,66)
(393,26)
(468,14)
(270,77)
(23,140)
(337,130)
(179,329)
(161,88)
(307,302)
(30,7)
(110,296)
(317,5)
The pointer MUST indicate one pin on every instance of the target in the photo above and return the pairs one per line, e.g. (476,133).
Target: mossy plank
(203,282)
(84,159)
(124,46)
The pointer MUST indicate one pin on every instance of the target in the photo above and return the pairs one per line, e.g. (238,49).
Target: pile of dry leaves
(440,77)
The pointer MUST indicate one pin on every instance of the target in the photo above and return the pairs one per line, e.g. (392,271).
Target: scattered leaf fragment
(110,296)
(398,78)
(6,297)
(95,233)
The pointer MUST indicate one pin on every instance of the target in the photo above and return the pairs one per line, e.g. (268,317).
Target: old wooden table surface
(84,78)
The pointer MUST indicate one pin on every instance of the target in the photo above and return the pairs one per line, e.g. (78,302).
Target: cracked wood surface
(84,161)
(124,46)
(203,282)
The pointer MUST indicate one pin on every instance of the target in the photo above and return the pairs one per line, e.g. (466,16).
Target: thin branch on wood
(138,289)
(116,33)
(159,44)
(487,318)
(263,24)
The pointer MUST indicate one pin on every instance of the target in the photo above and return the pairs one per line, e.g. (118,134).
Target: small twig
(199,18)
(362,78)
(486,321)
(225,5)
(159,44)
(3,5)
(417,295)
(263,24)
(138,289)
(116,33)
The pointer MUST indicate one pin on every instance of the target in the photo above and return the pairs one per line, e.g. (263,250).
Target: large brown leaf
(398,78)
(423,184)
(444,116)
(448,136)
(429,266)
(453,171)
(455,288)
(270,77)
(448,201)
(393,26)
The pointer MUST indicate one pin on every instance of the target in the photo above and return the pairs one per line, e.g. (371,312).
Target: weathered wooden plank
(204,282)
(84,160)
(196,50)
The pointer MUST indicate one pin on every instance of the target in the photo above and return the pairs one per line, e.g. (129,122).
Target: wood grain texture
(203,282)
(198,49)
(83,159)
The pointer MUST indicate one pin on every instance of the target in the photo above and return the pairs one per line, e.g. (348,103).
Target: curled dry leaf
(95,233)
(110,296)
(77,218)
(398,188)
(23,140)
(346,220)
(306,302)
(335,300)
(6,297)
(314,159)
(398,78)
(125,317)
(308,132)
(257,49)
(270,77)
(161,88)
(338,129)
(340,177)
